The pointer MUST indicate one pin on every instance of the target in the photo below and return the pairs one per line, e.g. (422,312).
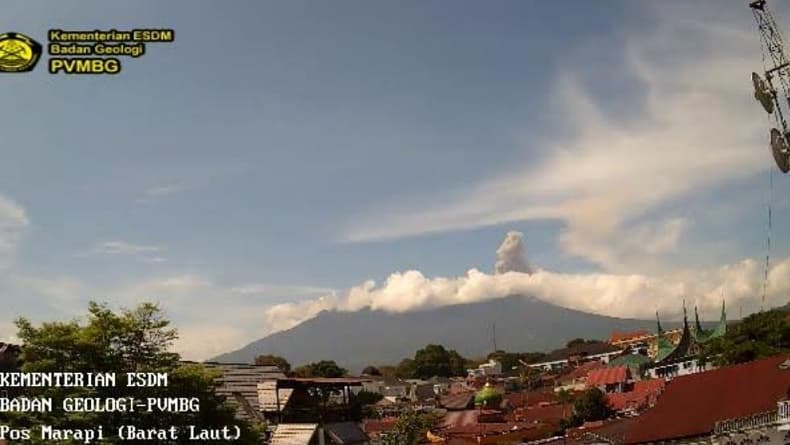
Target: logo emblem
(18,53)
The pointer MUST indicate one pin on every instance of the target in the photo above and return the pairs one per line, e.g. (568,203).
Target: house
(609,379)
(574,355)
(717,406)
(678,359)
(639,396)
(490,369)
(344,433)
(576,378)
(238,383)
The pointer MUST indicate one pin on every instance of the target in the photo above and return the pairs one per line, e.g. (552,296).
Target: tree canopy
(274,360)
(136,340)
(371,371)
(435,360)
(323,368)
(589,406)
(410,429)
(511,361)
(761,334)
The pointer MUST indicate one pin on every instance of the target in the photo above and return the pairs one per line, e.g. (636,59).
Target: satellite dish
(780,150)
(762,93)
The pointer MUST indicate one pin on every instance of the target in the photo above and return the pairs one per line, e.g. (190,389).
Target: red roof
(607,376)
(691,405)
(551,413)
(521,399)
(379,425)
(580,371)
(644,394)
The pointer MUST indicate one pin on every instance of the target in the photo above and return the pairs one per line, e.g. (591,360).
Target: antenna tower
(773,92)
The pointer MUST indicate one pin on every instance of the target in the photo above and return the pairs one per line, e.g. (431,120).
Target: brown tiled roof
(691,405)
(551,413)
(522,399)
(612,431)
(644,394)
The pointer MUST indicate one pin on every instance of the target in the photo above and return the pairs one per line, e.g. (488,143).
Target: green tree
(136,340)
(323,368)
(371,371)
(410,429)
(762,334)
(435,360)
(406,369)
(589,406)
(274,360)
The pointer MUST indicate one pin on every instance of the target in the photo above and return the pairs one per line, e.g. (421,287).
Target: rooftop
(607,376)
(692,404)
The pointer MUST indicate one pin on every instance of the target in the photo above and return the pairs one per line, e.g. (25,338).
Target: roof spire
(658,323)
(696,319)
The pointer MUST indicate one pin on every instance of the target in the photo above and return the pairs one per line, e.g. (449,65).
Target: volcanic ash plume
(511,255)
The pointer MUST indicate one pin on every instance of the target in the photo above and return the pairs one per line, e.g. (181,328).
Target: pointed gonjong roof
(665,347)
(686,347)
(705,335)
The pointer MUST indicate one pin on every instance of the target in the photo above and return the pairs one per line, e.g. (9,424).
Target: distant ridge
(358,339)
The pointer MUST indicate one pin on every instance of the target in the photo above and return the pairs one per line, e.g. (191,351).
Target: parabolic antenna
(762,93)
(780,150)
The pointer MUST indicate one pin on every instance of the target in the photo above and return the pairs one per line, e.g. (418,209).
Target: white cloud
(282,290)
(140,251)
(619,295)
(697,127)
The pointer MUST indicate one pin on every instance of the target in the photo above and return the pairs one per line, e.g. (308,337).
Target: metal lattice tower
(777,69)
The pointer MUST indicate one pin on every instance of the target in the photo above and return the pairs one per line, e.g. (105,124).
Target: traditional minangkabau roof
(691,405)
(665,347)
(702,335)
(686,347)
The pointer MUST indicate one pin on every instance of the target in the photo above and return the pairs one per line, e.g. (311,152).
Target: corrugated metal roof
(243,379)
(293,434)
(692,404)
(607,376)
(267,396)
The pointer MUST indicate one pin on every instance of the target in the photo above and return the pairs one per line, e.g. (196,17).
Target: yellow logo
(18,53)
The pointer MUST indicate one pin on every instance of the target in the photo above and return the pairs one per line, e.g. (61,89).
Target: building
(609,379)
(316,411)
(238,383)
(729,405)
(672,360)
(577,354)
(490,369)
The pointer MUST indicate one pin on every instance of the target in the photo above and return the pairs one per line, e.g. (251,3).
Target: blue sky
(279,151)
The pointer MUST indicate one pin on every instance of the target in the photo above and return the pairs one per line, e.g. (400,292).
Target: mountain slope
(357,339)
